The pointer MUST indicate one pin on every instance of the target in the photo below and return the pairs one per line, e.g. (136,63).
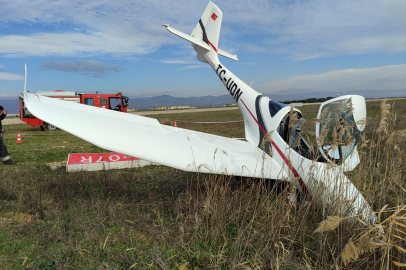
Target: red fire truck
(116,102)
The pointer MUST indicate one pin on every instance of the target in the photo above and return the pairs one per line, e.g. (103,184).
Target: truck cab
(116,102)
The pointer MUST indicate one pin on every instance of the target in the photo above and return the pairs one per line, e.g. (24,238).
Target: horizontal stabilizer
(187,37)
(228,55)
(199,42)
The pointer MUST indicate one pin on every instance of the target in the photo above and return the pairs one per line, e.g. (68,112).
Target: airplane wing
(147,139)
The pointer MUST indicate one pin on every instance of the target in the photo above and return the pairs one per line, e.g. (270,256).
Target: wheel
(50,127)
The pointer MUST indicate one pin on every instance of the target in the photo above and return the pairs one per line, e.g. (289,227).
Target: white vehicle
(273,149)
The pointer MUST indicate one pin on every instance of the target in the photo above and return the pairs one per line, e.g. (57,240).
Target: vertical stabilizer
(205,36)
(208,27)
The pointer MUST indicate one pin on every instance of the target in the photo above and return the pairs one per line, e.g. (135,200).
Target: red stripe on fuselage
(263,130)
(295,173)
(210,61)
(214,48)
(212,45)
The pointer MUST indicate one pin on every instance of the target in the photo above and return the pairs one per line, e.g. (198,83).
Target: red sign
(94,158)
(214,16)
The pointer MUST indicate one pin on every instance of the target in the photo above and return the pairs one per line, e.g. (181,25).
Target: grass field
(161,218)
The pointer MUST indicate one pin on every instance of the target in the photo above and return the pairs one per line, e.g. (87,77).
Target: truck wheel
(50,127)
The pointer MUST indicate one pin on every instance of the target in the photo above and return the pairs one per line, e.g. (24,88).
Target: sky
(282,45)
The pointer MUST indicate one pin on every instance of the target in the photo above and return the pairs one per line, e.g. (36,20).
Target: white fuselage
(324,181)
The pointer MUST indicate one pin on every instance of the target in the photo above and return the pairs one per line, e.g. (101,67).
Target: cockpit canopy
(338,131)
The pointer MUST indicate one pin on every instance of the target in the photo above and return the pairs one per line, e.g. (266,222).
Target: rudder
(205,36)
(208,27)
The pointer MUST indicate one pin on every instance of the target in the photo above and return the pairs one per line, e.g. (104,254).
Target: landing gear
(50,127)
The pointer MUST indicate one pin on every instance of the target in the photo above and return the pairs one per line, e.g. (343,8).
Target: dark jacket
(2,115)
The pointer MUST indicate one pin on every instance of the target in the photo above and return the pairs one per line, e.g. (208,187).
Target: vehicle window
(103,101)
(125,101)
(89,101)
(274,107)
(115,104)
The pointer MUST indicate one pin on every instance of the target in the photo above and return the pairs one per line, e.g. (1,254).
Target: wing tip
(25,80)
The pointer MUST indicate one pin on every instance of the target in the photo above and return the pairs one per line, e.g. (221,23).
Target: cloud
(67,28)
(193,67)
(10,77)
(378,78)
(299,29)
(85,67)
(173,61)
(71,44)
(9,95)
(316,28)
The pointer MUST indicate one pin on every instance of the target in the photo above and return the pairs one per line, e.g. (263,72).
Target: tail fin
(208,27)
(206,33)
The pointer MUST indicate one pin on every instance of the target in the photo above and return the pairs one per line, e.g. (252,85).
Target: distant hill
(301,94)
(166,100)
(12,105)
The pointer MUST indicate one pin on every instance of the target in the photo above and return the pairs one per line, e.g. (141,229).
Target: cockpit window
(275,107)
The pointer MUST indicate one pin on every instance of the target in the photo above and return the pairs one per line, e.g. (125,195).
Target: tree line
(308,100)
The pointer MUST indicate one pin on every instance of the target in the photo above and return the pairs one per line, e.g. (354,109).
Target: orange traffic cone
(19,138)
(175,124)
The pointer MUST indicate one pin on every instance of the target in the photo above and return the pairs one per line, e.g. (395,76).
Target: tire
(50,127)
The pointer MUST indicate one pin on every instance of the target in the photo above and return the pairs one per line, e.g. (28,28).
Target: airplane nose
(338,195)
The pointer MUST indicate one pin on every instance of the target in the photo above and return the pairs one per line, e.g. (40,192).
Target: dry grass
(162,218)
(329,224)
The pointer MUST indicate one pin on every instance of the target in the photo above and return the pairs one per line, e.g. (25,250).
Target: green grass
(159,218)
(398,106)
(44,146)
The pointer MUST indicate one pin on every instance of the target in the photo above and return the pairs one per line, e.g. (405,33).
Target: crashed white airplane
(274,148)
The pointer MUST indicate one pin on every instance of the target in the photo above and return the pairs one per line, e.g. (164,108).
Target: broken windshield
(338,132)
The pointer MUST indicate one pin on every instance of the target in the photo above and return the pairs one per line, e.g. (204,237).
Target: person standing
(5,157)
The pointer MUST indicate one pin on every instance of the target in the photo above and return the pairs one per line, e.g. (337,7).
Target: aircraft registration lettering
(230,84)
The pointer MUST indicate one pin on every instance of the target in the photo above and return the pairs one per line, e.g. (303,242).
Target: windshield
(275,107)
(338,133)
